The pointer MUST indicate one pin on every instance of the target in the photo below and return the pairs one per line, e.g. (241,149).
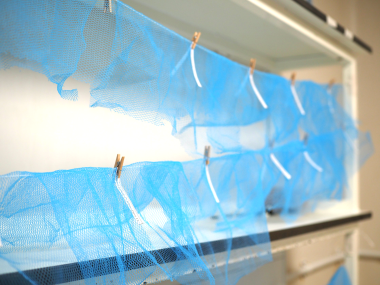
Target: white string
(193,66)
(1,243)
(258,95)
(211,186)
(128,201)
(312,162)
(280,167)
(298,102)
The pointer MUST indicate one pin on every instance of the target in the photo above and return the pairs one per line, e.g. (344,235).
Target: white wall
(41,132)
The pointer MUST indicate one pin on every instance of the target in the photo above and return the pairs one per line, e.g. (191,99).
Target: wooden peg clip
(195,39)
(207,154)
(331,83)
(107,5)
(119,164)
(293,78)
(305,138)
(252,65)
(117,160)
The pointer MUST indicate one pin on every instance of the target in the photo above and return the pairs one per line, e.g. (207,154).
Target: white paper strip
(312,162)
(128,201)
(280,167)
(211,186)
(193,66)
(258,95)
(297,100)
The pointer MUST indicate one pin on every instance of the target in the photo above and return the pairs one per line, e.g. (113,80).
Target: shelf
(278,230)
(324,22)
(280,34)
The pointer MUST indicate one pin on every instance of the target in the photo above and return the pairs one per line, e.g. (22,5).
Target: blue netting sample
(323,113)
(46,37)
(340,277)
(138,67)
(77,225)
(238,216)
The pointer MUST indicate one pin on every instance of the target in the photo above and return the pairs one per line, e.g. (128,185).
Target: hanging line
(295,96)
(207,157)
(312,162)
(119,165)
(280,167)
(257,93)
(193,44)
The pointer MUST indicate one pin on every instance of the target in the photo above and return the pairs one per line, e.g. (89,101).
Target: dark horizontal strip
(75,271)
(312,9)
(363,44)
(316,12)
(340,29)
(296,231)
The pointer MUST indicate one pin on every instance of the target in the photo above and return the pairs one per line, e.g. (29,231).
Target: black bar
(292,232)
(64,273)
(318,13)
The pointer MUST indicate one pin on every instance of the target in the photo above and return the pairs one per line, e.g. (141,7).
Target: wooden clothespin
(331,83)
(207,154)
(108,5)
(293,78)
(252,65)
(119,164)
(195,39)
(305,138)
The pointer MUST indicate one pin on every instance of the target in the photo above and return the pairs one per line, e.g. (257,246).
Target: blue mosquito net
(340,277)
(77,224)
(140,68)
(230,222)
(300,174)
(278,146)
(86,224)
(323,113)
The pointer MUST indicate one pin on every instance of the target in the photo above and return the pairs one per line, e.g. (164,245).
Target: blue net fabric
(238,218)
(138,67)
(46,37)
(72,225)
(290,179)
(323,113)
(314,170)
(340,277)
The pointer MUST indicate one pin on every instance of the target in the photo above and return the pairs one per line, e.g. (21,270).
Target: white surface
(242,29)
(41,132)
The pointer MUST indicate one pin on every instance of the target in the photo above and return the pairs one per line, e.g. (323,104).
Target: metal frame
(351,257)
